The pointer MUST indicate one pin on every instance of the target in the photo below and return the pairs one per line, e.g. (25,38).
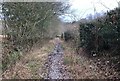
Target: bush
(87,38)
(25,24)
(102,34)
(68,35)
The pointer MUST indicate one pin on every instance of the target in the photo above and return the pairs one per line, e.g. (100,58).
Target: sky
(82,8)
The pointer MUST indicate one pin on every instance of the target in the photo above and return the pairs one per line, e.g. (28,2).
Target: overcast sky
(81,8)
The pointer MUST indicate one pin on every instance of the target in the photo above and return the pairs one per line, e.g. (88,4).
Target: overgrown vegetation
(101,37)
(72,36)
(29,24)
(25,24)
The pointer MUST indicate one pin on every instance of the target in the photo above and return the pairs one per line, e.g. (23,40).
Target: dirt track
(55,63)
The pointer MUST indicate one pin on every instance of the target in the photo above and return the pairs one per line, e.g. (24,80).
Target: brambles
(25,24)
(101,36)
(103,32)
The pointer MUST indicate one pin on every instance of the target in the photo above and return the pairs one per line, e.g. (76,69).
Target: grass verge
(31,65)
(81,67)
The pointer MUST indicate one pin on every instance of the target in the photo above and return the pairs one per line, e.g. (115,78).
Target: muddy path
(55,65)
